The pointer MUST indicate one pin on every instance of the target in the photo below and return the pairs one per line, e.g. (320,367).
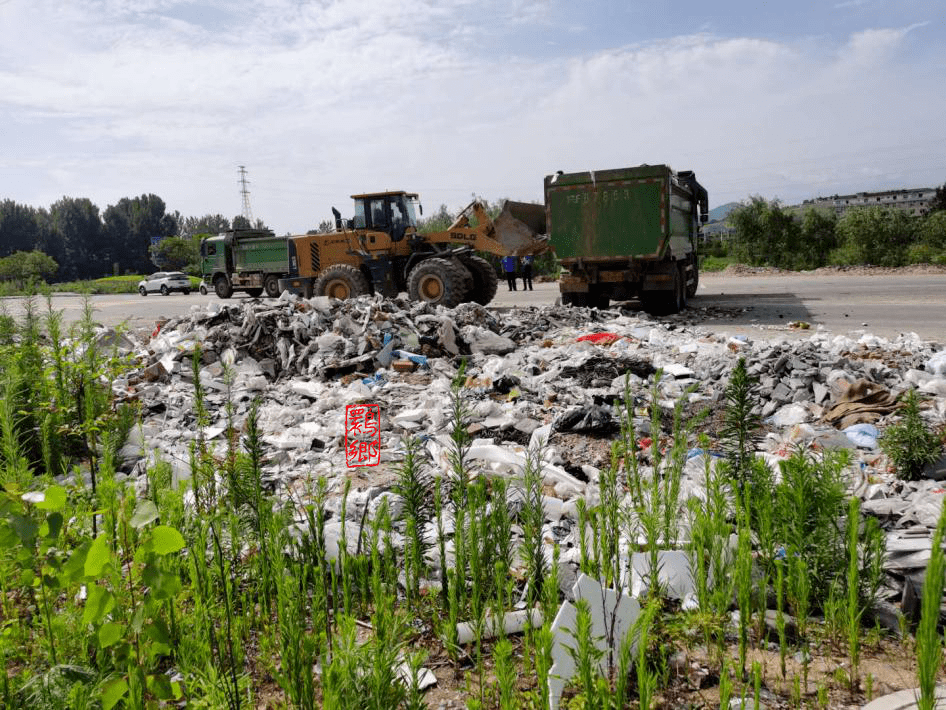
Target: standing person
(527,272)
(509,267)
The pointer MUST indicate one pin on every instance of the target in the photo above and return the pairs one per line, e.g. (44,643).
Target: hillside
(720,213)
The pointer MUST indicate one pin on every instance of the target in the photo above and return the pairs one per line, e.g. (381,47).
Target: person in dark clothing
(509,268)
(527,272)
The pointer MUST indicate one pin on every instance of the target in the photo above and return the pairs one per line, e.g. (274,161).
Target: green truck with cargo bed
(251,260)
(627,233)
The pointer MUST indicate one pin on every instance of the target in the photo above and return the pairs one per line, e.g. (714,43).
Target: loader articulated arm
(518,230)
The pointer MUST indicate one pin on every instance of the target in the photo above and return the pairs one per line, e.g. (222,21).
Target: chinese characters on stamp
(362,435)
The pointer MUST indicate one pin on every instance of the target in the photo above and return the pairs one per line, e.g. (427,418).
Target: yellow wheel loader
(381,251)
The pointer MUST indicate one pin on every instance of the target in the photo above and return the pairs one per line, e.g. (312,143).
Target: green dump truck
(627,233)
(251,260)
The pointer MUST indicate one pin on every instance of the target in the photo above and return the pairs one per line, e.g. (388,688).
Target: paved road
(888,304)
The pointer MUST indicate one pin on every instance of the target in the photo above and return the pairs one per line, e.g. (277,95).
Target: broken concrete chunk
(512,622)
(609,611)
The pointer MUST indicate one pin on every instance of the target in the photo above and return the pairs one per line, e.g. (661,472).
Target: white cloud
(322,99)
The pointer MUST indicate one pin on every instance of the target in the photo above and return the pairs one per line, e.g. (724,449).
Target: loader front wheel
(485,281)
(438,281)
(341,281)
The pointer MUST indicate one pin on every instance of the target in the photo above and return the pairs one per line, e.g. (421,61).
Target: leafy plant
(910,443)
(740,421)
(929,644)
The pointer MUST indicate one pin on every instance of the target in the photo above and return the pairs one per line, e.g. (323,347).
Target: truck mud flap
(572,284)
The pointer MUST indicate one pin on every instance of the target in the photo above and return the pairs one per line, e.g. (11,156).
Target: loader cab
(391,212)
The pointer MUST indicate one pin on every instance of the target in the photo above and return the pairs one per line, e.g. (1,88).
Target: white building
(915,201)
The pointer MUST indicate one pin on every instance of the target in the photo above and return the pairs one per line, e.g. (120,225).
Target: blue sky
(319,100)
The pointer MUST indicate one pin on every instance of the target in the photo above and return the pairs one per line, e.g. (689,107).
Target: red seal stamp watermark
(362,435)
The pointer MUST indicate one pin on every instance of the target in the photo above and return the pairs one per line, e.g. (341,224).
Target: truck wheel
(341,281)
(438,281)
(271,286)
(254,292)
(575,299)
(485,280)
(691,287)
(222,287)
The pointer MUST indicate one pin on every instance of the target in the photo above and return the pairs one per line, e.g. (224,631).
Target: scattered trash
(863,435)
(599,338)
(593,419)
(534,376)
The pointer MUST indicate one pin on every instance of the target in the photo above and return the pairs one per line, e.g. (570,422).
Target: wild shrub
(740,422)
(929,644)
(810,503)
(910,443)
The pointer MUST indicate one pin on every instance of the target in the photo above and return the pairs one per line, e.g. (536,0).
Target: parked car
(165,282)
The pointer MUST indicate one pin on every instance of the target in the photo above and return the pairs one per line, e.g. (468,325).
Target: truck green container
(251,260)
(627,233)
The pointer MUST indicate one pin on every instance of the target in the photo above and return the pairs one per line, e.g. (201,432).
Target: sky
(322,99)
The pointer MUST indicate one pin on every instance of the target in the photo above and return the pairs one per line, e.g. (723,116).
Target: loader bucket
(520,228)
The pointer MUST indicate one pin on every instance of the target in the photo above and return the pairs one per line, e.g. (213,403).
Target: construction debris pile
(547,374)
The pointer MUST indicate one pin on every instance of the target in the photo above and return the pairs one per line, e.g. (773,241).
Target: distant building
(915,201)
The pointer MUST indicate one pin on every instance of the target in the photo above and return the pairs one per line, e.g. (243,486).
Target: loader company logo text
(362,435)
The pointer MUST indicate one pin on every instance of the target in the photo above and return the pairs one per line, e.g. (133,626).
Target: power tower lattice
(245,192)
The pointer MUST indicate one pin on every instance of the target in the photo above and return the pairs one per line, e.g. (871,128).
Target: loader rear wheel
(341,281)
(271,286)
(485,280)
(438,281)
(222,287)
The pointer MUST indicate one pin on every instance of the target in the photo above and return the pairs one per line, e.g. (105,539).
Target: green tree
(177,254)
(819,236)
(876,235)
(130,226)
(24,267)
(932,231)
(19,228)
(939,200)
(437,222)
(766,234)
(208,224)
(77,240)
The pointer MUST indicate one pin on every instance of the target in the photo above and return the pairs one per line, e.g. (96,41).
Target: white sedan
(165,282)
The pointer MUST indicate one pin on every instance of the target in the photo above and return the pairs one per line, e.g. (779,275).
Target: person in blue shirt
(509,267)
(527,272)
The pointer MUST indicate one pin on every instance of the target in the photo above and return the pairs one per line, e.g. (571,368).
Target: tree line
(72,240)
(766,233)
(85,243)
